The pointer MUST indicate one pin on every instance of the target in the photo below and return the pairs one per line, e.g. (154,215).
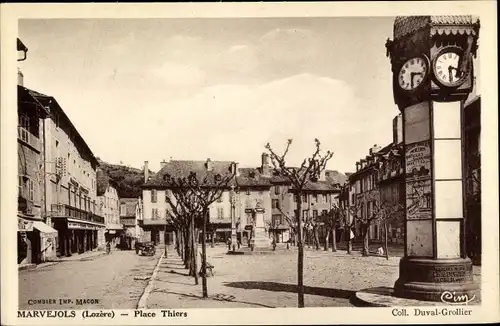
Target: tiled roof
(182,169)
(51,103)
(130,205)
(454,24)
(249,177)
(103,182)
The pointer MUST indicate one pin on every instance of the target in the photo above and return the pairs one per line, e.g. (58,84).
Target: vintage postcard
(249,163)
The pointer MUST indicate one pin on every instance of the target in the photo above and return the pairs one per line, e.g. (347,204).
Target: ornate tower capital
(442,48)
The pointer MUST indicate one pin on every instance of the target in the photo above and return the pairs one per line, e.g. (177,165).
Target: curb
(144,297)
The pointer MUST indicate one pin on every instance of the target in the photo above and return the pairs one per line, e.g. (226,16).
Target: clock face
(412,73)
(446,68)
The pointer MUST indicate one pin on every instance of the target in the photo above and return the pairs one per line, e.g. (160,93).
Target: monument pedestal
(436,280)
(260,239)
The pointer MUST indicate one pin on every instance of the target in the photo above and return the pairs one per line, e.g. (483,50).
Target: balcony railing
(28,138)
(63,210)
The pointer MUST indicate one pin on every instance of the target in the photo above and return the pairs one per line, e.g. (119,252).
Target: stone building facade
(70,188)
(108,207)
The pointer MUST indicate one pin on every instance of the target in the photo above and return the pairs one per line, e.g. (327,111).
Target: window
(305,214)
(154,196)
(154,213)
(248,192)
(325,198)
(277,190)
(304,198)
(277,219)
(24,123)
(315,213)
(20,185)
(167,215)
(315,196)
(295,197)
(123,209)
(31,190)
(166,196)
(276,203)
(220,213)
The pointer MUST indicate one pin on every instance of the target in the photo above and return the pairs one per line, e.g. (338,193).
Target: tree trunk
(204,255)
(316,237)
(386,245)
(327,238)
(334,237)
(366,244)
(193,236)
(212,244)
(349,240)
(189,257)
(300,258)
(177,243)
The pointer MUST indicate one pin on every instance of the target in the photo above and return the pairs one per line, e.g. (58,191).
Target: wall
(58,144)
(109,207)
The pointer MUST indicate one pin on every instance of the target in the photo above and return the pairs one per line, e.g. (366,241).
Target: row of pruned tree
(191,196)
(189,201)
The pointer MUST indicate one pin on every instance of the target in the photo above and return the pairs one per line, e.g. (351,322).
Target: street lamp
(233,217)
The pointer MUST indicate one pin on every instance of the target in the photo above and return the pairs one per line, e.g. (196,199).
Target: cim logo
(452,298)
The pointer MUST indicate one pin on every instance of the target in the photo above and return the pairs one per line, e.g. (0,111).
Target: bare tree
(331,219)
(309,170)
(388,210)
(185,210)
(207,189)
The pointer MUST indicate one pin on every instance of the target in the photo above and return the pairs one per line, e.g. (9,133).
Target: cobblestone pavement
(107,278)
(269,280)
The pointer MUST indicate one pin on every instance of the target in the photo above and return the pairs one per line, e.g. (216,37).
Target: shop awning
(43,228)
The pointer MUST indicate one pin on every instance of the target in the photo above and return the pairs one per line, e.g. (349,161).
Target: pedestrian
(228,244)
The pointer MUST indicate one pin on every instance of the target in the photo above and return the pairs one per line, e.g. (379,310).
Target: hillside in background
(128,179)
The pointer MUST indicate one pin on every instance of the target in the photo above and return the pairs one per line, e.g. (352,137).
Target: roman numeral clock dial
(412,73)
(448,68)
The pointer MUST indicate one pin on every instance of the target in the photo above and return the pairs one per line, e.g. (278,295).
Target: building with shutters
(70,187)
(108,207)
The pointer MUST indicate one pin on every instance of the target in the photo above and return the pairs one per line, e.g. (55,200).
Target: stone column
(433,75)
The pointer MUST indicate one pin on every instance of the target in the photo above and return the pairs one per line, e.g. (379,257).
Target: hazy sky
(151,89)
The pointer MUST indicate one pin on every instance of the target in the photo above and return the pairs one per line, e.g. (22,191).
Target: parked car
(145,248)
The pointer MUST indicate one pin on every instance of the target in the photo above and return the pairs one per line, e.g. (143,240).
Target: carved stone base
(431,280)
(260,240)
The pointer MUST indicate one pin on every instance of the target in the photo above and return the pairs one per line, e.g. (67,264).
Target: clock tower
(432,66)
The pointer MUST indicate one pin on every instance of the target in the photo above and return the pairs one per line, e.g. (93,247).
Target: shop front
(114,234)
(26,251)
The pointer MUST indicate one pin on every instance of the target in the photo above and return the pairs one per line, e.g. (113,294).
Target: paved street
(107,278)
(269,280)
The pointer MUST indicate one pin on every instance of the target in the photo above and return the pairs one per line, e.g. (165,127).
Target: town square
(249,162)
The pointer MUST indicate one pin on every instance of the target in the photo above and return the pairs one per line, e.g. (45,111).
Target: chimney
(357,166)
(163,164)
(374,149)
(20,77)
(234,169)
(322,176)
(146,171)
(397,129)
(265,166)
(209,165)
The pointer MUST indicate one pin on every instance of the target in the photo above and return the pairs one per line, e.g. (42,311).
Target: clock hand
(450,75)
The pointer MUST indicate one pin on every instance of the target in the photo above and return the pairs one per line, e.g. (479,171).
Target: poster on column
(418,161)
(418,199)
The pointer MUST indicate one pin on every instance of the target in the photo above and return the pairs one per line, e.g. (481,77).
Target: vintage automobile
(145,248)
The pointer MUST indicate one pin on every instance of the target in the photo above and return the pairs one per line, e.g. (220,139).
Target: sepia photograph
(249,162)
